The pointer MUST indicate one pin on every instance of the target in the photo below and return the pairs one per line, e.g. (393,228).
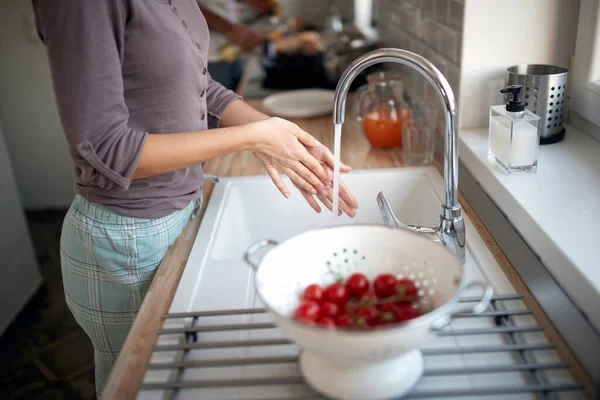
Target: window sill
(555,210)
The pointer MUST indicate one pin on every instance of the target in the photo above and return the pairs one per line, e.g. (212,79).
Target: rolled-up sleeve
(217,100)
(84,42)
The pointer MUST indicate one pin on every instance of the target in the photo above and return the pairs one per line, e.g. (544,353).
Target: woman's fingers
(316,167)
(306,138)
(345,192)
(276,178)
(300,182)
(311,201)
(327,202)
(317,182)
(326,157)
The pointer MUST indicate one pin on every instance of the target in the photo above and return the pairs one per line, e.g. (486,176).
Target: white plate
(300,103)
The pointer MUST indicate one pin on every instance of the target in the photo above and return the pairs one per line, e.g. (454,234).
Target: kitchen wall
(431,28)
(32,129)
(467,40)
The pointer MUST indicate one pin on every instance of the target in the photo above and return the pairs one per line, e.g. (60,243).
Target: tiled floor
(44,354)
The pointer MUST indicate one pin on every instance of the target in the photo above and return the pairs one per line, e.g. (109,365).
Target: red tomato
(357,285)
(336,293)
(307,311)
(328,309)
(388,307)
(367,316)
(406,312)
(313,293)
(326,322)
(384,285)
(387,313)
(367,299)
(344,321)
(406,288)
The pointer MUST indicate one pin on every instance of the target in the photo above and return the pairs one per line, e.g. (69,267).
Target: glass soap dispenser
(514,135)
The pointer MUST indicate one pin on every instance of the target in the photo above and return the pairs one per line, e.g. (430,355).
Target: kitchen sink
(245,210)
(253,209)
(217,287)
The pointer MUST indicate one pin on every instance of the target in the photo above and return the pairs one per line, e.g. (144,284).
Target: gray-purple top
(122,69)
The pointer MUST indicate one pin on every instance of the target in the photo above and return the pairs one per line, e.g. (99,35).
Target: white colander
(345,363)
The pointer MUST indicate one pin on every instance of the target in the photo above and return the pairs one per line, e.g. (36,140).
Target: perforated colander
(326,255)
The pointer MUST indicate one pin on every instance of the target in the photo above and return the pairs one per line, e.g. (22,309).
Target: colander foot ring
(377,380)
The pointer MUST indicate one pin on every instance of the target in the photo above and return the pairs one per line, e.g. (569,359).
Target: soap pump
(514,134)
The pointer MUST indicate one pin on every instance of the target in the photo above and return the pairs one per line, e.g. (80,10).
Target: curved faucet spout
(451,225)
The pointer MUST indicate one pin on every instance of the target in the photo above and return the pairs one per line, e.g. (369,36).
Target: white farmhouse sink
(245,210)
(252,208)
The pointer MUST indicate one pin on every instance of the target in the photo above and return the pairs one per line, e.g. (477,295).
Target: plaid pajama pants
(108,262)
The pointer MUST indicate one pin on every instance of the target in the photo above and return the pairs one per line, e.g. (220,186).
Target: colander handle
(254,248)
(478,308)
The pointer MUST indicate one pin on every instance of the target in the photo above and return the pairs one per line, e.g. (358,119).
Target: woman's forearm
(240,113)
(163,153)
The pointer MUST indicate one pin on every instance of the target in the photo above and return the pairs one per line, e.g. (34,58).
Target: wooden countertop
(130,367)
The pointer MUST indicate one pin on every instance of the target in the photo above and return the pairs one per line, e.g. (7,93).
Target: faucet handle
(390,219)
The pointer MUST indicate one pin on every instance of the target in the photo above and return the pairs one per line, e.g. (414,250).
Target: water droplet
(421,292)
(400,276)
(412,276)
(431,292)
(417,284)
(406,267)
(425,282)
(420,274)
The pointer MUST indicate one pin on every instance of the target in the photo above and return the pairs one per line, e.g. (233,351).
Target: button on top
(174,9)
(202,93)
(198,46)
(202,116)
(86,148)
(204,71)
(184,24)
(170,2)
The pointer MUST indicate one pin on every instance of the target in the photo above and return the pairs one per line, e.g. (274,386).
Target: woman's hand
(284,148)
(347,203)
(288,149)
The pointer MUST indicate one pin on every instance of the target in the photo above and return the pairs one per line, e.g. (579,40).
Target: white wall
(32,129)
(541,32)
(19,272)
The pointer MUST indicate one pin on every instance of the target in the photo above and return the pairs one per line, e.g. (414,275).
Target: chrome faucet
(451,228)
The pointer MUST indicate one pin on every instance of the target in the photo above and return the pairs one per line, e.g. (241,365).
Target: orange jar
(383,128)
(379,106)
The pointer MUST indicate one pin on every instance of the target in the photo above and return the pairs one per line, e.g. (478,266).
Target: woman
(141,113)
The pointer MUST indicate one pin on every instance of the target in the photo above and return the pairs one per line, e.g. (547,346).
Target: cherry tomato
(367,299)
(326,322)
(328,310)
(344,321)
(388,307)
(307,311)
(357,285)
(313,293)
(406,288)
(384,285)
(367,316)
(406,312)
(336,293)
